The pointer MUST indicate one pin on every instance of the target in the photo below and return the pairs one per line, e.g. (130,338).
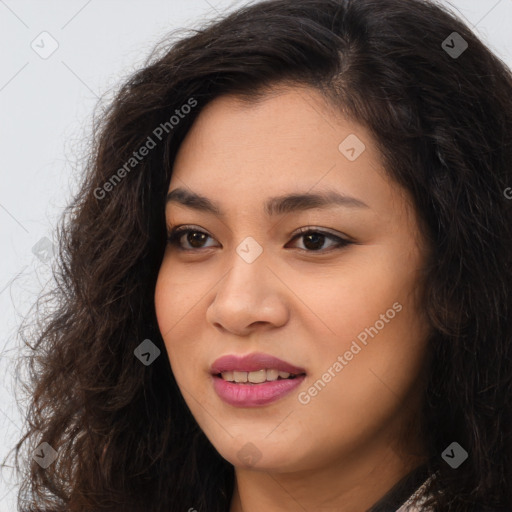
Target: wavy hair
(443,124)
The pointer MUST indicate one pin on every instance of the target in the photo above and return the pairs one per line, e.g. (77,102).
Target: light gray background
(46,109)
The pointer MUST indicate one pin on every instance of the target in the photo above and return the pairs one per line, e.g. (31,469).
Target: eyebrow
(273,206)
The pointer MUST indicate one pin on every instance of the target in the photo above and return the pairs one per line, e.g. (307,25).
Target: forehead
(291,141)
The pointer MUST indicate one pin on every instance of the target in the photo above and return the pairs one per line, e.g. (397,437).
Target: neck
(348,485)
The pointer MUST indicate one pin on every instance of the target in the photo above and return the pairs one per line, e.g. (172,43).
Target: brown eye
(193,237)
(314,240)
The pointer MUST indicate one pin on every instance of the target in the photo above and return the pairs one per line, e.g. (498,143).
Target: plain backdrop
(46,106)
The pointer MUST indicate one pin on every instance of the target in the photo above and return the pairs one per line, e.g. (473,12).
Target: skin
(339,451)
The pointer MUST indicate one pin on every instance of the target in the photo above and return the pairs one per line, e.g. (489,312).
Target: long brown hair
(124,436)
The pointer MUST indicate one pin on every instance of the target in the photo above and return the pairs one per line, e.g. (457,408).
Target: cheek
(354,298)
(378,330)
(164,302)
(369,388)
(169,308)
(176,294)
(178,311)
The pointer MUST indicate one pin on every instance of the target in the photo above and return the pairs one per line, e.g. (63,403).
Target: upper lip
(251,363)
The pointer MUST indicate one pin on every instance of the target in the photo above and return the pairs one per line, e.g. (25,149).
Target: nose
(249,297)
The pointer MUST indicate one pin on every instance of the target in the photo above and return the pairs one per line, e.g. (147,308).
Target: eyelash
(173,238)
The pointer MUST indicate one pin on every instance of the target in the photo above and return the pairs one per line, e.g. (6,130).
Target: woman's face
(339,304)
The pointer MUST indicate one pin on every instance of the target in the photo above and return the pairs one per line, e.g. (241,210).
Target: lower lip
(247,395)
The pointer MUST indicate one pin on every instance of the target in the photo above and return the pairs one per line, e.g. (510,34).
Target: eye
(314,239)
(176,234)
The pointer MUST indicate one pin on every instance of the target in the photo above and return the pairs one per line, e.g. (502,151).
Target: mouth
(254,380)
(251,394)
(257,377)
(254,368)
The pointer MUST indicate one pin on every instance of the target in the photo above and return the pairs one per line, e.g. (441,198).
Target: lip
(251,363)
(254,395)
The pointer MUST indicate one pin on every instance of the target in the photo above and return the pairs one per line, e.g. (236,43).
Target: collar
(401,496)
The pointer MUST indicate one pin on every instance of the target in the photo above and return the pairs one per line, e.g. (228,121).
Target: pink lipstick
(254,380)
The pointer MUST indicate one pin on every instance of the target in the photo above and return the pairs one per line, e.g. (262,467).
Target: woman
(285,282)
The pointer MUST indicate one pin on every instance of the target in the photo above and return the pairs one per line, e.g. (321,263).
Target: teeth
(272,374)
(240,376)
(228,376)
(255,377)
